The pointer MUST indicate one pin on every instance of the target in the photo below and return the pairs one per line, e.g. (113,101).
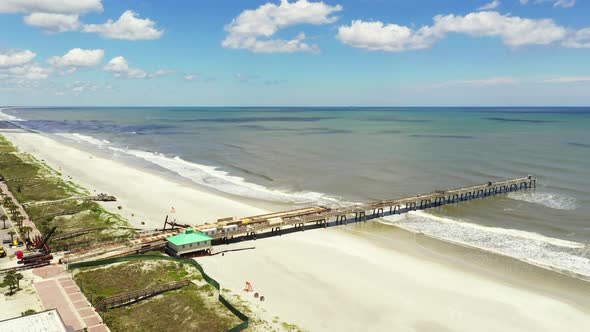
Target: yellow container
(246,221)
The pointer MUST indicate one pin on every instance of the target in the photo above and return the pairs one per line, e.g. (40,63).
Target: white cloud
(50,6)
(568,79)
(79,87)
(120,68)
(492,5)
(10,58)
(377,36)
(247,28)
(129,26)
(27,72)
(513,30)
(78,57)
(556,3)
(245,78)
(578,39)
(564,3)
(161,72)
(53,22)
(493,81)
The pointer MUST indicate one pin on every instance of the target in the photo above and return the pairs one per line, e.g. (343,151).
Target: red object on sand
(19,254)
(248,287)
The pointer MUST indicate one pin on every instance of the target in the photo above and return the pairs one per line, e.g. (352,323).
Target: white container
(209,231)
(229,228)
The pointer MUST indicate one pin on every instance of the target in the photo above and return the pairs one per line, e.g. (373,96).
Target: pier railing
(362,212)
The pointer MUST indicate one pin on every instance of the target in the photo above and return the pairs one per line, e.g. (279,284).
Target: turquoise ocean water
(333,156)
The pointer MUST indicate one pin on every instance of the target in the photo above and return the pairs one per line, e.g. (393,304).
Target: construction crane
(42,256)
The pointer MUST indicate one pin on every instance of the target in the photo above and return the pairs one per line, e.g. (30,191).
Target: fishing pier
(229,230)
(224,230)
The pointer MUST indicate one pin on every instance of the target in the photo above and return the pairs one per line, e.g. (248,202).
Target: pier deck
(229,228)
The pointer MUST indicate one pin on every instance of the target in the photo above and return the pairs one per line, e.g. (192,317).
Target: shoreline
(132,186)
(347,278)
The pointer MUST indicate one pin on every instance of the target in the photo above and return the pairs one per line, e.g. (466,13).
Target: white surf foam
(85,139)
(215,178)
(554,201)
(556,254)
(8,117)
(212,177)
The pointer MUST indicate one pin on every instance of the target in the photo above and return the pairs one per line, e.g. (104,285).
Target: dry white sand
(335,280)
(146,196)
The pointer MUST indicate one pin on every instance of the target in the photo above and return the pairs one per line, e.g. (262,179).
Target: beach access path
(56,289)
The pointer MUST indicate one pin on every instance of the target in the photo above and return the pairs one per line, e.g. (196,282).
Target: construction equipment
(2,252)
(43,254)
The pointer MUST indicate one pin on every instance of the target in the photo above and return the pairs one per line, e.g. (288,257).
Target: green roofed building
(189,242)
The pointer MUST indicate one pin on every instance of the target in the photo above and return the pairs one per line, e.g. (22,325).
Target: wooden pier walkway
(228,230)
(298,219)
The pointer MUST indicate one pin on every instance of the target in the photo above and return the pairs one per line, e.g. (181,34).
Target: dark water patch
(7,125)
(526,110)
(520,120)
(57,126)
(580,145)
(234,146)
(444,136)
(389,119)
(264,128)
(90,126)
(387,131)
(261,119)
(325,131)
(145,128)
(249,172)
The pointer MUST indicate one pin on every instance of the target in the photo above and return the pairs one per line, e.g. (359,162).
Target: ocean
(338,156)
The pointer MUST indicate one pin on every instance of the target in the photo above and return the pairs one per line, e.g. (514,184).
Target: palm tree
(18,279)
(19,220)
(6,201)
(13,279)
(10,279)
(4,218)
(11,233)
(27,230)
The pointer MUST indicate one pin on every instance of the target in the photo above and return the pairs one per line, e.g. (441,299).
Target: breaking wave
(556,254)
(554,201)
(216,178)
(85,139)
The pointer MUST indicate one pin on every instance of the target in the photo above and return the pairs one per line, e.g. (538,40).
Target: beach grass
(33,182)
(186,309)
(130,276)
(192,308)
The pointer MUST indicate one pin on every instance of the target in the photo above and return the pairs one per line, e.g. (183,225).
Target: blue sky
(296,52)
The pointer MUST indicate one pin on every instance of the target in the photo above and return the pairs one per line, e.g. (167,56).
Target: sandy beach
(365,277)
(144,196)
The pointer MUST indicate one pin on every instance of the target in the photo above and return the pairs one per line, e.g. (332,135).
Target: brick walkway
(59,291)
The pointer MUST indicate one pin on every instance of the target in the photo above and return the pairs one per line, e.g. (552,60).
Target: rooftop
(44,321)
(189,236)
